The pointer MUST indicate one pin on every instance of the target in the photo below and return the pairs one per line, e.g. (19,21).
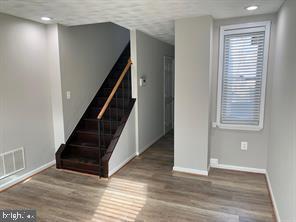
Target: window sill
(237,127)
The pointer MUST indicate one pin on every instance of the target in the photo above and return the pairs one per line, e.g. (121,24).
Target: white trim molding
(215,164)
(118,167)
(26,176)
(276,211)
(191,171)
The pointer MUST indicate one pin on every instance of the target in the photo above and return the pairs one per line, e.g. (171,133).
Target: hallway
(146,189)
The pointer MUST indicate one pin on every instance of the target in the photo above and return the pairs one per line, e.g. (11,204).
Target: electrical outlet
(68,95)
(244,146)
(214,162)
(143,81)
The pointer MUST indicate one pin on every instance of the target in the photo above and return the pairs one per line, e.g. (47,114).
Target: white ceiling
(155,17)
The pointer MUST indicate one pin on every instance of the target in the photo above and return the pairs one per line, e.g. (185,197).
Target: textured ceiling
(155,17)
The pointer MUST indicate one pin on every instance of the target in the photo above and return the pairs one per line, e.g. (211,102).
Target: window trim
(245,28)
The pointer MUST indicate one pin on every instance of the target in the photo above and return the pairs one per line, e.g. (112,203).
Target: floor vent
(12,162)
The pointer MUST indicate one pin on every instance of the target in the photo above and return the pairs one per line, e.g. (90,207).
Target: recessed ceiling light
(45,18)
(252,8)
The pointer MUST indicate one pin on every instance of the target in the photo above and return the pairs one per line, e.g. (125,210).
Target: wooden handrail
(128,65)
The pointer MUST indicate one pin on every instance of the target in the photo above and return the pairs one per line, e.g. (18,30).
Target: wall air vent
(12,162)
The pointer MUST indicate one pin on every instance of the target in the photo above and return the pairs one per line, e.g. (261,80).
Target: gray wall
(193,43)
(25,96)
(225,144)
(87,54)
(150,54)
(282,143)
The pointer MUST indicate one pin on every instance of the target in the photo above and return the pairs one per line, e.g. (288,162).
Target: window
(242,76)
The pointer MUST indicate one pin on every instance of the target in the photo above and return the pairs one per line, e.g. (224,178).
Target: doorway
(169,92)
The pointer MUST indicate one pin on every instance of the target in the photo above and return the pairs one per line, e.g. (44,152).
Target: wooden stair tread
(83,144)
(100,108)
(86,146)
(89,143)
(88,131)
(104,98)
(75,159)
(103,120)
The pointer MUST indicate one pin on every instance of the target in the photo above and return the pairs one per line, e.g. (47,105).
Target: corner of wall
(193,39)
(134,73)
(56,85)
(210,90)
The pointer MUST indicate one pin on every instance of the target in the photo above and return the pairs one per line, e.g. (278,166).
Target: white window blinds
(242,77)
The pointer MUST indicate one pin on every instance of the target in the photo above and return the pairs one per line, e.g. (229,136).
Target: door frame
(164,86)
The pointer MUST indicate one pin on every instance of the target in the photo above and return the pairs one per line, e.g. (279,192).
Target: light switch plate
(68,95)
(244,146)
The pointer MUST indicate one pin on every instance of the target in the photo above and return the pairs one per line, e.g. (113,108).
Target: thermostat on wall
(143,81)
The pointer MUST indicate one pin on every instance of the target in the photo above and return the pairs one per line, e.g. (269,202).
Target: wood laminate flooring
(146,189)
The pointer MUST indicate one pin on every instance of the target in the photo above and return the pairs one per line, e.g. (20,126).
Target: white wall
(125,149)
(25,93)
(87,54)
(193,43)
(150,54)
(56,85)
(225,144)
(282,142)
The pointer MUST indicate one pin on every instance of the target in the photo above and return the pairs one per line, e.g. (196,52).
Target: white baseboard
(191,171)
(114,170)
(26,176)
(149,145)
(276,211)
(238,168)
(215,164)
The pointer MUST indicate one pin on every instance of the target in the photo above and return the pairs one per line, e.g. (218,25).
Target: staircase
(92,142)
